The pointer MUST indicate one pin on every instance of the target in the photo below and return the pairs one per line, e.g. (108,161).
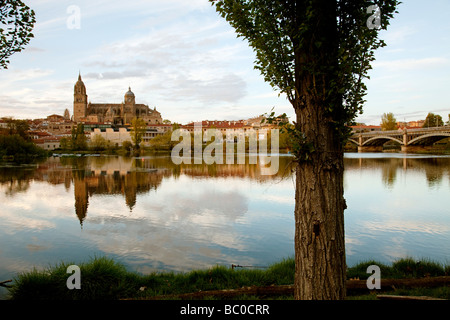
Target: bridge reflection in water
(391,165)
(410,140)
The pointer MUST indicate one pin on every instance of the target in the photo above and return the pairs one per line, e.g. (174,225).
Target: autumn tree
(19,127)
(78,140)
(138,128)
(16,23)
(388,122)
(317,53)
(127,146)
(164,141)
(433,120)
(65,143)
(99,143)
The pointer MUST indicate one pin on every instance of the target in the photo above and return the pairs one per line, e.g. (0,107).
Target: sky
(184,59)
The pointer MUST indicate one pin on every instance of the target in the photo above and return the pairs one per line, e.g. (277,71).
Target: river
(152,215)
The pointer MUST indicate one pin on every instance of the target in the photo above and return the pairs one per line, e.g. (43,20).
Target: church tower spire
(79,100)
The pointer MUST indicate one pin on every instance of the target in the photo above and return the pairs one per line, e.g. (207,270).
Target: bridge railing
(400,131)
(440,128)
(379,132)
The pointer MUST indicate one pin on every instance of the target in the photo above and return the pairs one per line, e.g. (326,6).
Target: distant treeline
(15,143)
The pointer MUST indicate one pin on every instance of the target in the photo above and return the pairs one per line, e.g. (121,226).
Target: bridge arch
(380,140)
(353,141)
(429,138)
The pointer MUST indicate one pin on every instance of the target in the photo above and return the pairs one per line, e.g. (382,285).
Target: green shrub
(17,148)
(359,271)
(101,278)
(410,268)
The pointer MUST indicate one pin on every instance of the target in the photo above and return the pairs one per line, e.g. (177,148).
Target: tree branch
(3,284)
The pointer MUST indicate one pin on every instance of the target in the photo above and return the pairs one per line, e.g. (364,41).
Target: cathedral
(113,113)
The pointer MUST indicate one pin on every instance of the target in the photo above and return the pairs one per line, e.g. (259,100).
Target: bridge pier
(413,149)
(370,148)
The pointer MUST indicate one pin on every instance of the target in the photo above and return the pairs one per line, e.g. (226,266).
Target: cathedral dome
(129,93)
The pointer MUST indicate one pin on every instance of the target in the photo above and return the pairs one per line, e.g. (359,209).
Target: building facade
(114,113)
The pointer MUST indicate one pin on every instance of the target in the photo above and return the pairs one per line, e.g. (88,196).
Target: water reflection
(152,215)
(397,207)
(434,167)
(128,177)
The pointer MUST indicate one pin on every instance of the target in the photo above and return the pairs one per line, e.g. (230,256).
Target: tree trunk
(319,196)
(319,212)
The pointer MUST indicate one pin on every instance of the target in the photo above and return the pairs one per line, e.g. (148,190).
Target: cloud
(418,64)
(115,74)
(180,55)
(398,35)
(32,49)
(175,55)
(227,88)
(184,61)
(201,220)
(18,75)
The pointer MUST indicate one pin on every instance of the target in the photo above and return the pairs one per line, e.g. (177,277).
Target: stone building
(114,113)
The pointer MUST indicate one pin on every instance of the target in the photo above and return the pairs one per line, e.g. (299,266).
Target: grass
(405,268)
(105,279)
(101,278)
(400,269)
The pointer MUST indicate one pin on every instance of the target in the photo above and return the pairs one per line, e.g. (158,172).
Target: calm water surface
(152,215)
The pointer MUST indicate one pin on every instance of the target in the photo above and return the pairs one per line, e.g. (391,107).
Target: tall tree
(16,23)
(20,127)
(433,120)
(138,128)
(388,122)
(316,52)
(78,138)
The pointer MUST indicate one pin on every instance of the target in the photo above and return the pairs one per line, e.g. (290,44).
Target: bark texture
(319,216)
(319,198)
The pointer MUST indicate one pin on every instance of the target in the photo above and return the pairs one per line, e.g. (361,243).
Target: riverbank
(396,149)
(102,278)
(143,151)
(14,148)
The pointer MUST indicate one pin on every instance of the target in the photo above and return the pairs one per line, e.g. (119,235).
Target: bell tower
(79,100)
(129,106)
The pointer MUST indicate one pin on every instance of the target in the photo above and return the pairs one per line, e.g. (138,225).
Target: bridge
(410,140)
